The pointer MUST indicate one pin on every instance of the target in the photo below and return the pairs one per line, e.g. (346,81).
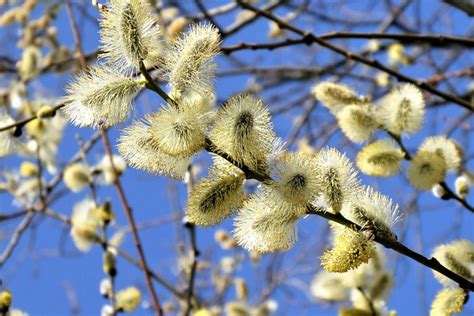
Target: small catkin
(215,198)
(28,169)
(381,158)
(448,301)
(8,142)
(461,184)
(76,177)
(140,148)
(328,287)
(338,179)
(426,170)
(358,122)
(351,249)
(5,301)
(334,96)
(402,111)
(444,147)
(129,299)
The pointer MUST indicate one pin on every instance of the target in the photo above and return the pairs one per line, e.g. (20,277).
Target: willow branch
(310,38)
(131,221)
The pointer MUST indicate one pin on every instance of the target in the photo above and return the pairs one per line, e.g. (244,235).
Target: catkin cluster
(239,133)
(398,114)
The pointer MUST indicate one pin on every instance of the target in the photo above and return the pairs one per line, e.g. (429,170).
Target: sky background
(38,276)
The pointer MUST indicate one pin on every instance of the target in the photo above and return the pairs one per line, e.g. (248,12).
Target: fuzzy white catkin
(140,148)
(189,63)
(129,33)
(8,142)
(402,111)
(100,95)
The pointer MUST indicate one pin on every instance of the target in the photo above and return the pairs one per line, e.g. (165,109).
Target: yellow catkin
(426,169)
(458,256)
(214,199)
(129,299)
(447,302)
(350,250)
(358,122)
(28,169)
(5,301)
(381,158)
(446,148)
(76,177)
(402,111)
(334,96)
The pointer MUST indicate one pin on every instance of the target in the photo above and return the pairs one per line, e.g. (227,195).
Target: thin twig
(131,221)
(310,38)
(191,228)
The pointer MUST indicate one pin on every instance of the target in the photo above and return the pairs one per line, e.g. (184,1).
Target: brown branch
(131,221)
(18,125)
(437,40)
(431,263)
(76,35)
(310,38)
(194,252)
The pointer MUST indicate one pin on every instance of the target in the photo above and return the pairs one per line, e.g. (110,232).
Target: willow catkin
(298,179)
(243,129)
(189,63)
(128,299)
(338,179)
(76,177)
(358,122)
(84,229)
(129,33)
(334,96)
(328,286)
(381,158)
(350,250)
(180,131)
(446,148)
(266,223)
(448,301)
(426,169)
(100,95)
(402,111)
(215,198)
(372,210)
(8,142)
(140,148)
(458,256)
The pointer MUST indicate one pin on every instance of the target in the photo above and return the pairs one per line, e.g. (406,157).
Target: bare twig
(131,221)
